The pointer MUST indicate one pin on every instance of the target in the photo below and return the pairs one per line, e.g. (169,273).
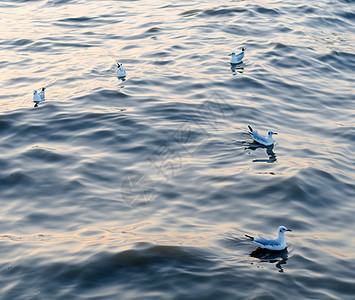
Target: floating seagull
(237,58)
(37,98)
(121,73)
(264,140)
(276,244)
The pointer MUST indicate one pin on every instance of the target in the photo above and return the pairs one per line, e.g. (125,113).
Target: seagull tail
(252,238)
(251,129)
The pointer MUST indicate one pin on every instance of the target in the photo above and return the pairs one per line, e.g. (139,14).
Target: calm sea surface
(144,188)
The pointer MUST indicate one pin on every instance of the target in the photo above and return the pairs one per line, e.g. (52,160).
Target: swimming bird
(37,98)
(276,244)
(121,73)
(237,58)
(261,139)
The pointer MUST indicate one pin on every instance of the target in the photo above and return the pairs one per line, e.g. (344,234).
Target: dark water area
(144,188)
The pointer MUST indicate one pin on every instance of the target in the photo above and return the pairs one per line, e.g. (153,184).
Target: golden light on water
(147,185)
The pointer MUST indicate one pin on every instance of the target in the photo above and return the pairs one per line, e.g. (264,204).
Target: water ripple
(142,187)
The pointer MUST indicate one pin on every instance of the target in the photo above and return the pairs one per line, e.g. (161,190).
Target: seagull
(237,58)
(276,244)
(121,73)
(37,98)
(263,140)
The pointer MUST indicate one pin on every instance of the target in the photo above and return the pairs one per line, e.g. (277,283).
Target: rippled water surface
(144,188)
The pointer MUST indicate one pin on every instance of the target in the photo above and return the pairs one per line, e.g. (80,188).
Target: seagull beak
(229,54)
(275,132)
(288,230)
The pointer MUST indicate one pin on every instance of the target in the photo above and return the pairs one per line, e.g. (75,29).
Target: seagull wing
(240,56)
(258,137)
(266,242)
(121,72)
(41,96)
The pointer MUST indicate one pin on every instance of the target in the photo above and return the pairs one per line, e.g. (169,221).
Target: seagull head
(270,133)
(34,92)
(283,229)
(118,65)
(231,54)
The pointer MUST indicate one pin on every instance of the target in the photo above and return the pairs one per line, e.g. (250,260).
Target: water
(144,188)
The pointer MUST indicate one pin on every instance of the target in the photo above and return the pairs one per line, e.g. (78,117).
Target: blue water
(144,188)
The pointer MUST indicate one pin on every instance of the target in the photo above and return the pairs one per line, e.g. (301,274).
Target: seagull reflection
(269,152)
(237,68)
(278,257)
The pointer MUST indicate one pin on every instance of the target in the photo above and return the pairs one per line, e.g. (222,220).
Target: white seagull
(276,244)
(261,139)
(237,58)
(37,98)
(121,73)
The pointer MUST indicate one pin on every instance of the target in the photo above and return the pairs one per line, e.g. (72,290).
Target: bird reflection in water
(269,152)
(237,68)
(278,257)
